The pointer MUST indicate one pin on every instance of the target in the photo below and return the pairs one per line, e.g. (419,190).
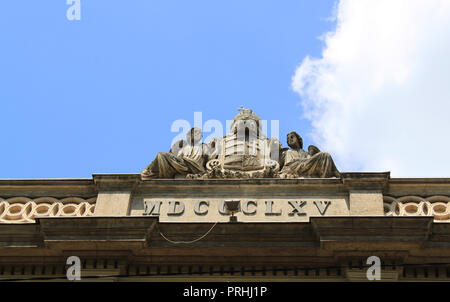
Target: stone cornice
(47,187)
(113,182)
(137,232)
(132,182)
(365,180)
(418,186)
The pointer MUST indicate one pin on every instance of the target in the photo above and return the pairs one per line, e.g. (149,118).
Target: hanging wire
(188,242)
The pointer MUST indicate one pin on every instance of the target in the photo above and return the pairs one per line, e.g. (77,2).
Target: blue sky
(99,95)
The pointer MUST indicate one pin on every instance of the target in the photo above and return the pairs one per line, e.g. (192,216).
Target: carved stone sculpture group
(245,152)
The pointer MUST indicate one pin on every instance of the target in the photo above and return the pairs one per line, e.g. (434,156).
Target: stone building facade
(238,208)
(127,229)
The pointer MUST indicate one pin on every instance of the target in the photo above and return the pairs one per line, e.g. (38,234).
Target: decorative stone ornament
(297,162)
(187,157)
(244,152)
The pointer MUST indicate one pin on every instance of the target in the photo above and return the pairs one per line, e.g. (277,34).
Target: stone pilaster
(114,193)
(366,192)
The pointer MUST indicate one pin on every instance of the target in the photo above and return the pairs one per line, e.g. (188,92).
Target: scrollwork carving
(436,206)
(24,209)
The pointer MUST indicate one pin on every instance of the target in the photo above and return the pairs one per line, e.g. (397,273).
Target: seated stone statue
(185,157)
(296,162)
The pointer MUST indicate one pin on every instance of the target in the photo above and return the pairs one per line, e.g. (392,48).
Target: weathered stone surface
(245,152)
(296,162)
(332,247)
(189,158)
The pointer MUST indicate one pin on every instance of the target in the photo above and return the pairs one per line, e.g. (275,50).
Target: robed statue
(296,162)
(244,152)
(185,157)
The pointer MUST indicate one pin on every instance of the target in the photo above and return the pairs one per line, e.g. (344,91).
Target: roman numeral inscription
(322,209)
(297,208)
(176,208)
(152,209)
(269,208)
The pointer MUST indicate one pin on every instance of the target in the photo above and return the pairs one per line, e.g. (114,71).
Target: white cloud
(379,97)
